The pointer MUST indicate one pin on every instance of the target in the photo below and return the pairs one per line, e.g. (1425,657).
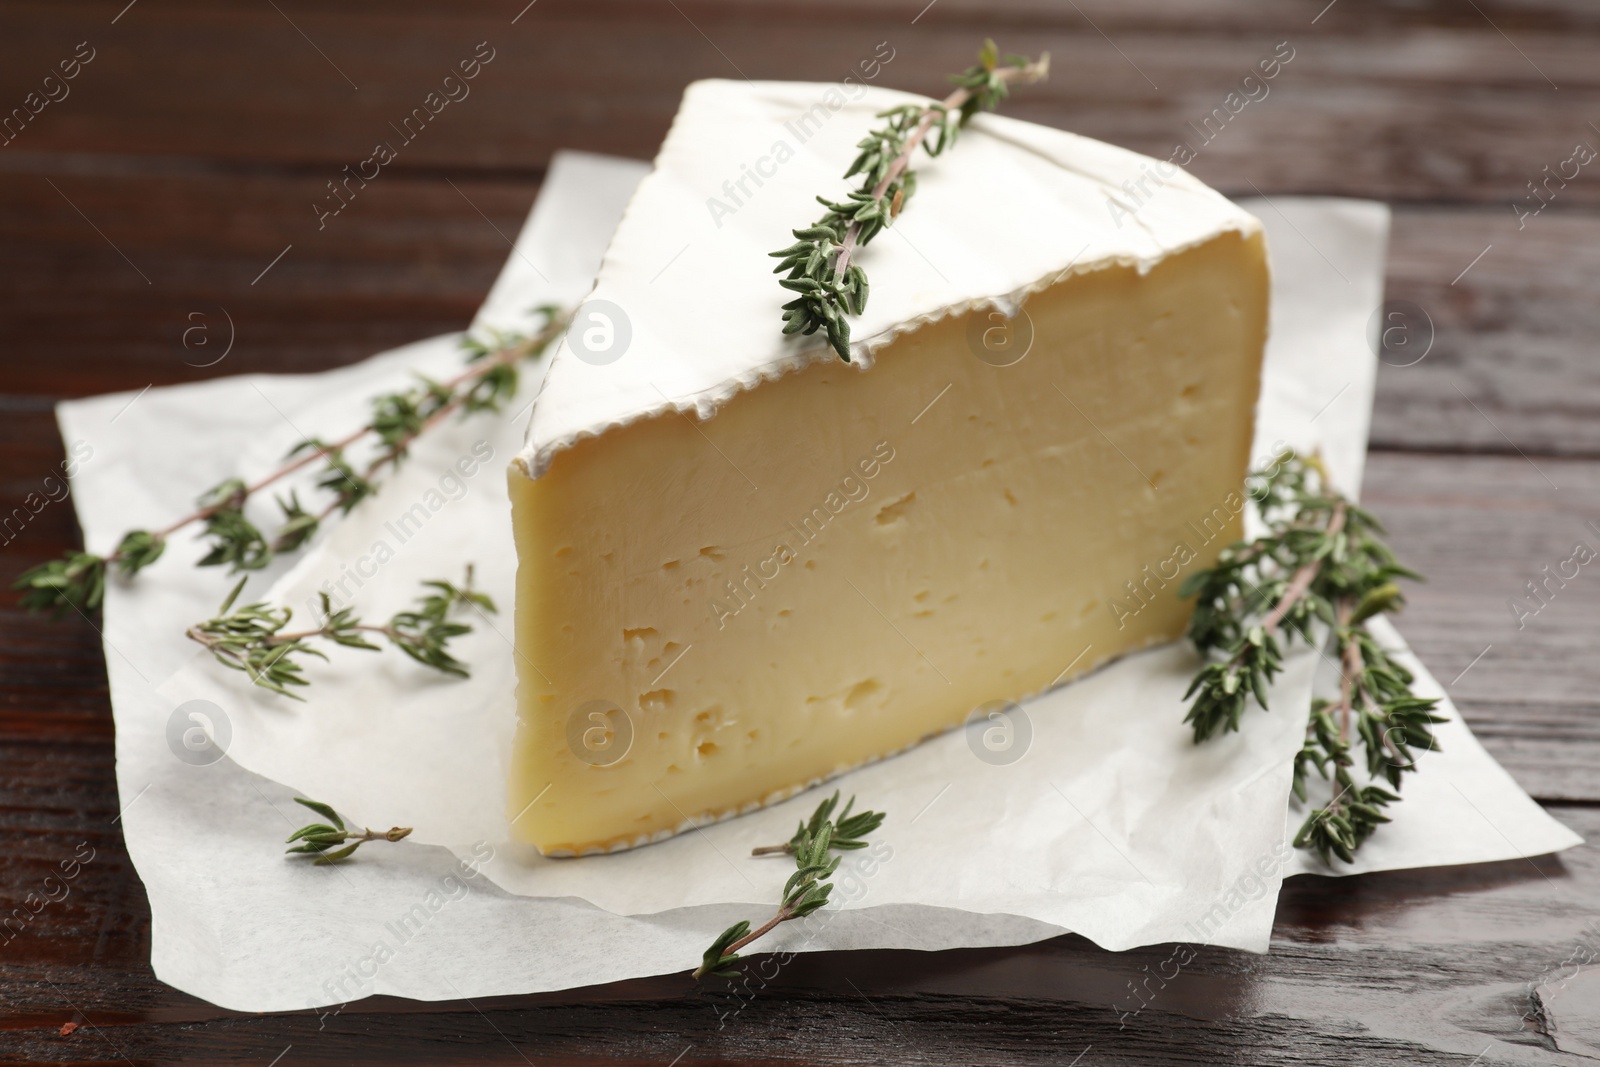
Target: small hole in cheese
(656,700)
(895,509)
(861,693)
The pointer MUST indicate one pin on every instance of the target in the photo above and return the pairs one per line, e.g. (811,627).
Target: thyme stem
(252,638)
(820,265)
(807,889)
(1322,560)
(76,580)
(238,499)
(785,913)
(501,358)
(954,102)
(1300,584)
(1350,661)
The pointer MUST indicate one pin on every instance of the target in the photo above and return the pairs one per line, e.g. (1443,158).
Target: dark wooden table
(174,181)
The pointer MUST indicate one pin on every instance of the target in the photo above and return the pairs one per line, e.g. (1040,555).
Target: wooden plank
(1511,364)
(1481,528)
(409,260)
(1436,104)
(1419,967)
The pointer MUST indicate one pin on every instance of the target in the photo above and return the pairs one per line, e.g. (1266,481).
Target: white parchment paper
(1105,820)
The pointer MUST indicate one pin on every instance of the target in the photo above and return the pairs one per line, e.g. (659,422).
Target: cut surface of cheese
(746,566)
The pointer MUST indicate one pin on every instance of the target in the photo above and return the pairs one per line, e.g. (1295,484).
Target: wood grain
(1419,967)
(1430,104)
(188,157)
(1508,346)
(1519,666)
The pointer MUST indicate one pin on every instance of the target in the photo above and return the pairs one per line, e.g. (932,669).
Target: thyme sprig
(820,264)
(807,888)
(1321,561)
(317,838)
(77,579)
(252,638)
(849,831)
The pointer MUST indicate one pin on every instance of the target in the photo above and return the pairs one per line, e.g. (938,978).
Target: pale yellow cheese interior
(832,569)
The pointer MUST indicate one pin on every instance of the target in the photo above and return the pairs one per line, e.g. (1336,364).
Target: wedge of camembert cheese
(746,566)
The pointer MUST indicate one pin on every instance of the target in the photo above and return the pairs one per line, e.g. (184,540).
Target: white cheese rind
(1010,210)
(850,558)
